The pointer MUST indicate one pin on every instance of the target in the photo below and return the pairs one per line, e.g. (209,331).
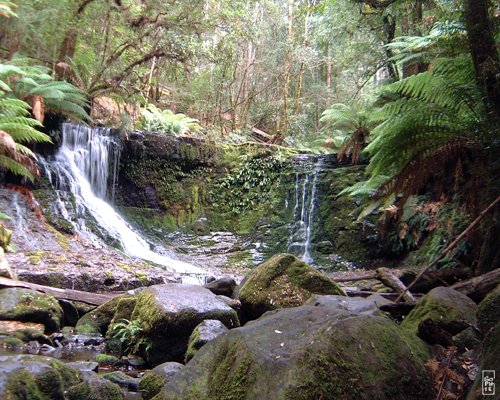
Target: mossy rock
(205,332)
(169,313)
(35,377)
(97,321)
(281,282)
(27,305)
(106,359)
(488,311)
(94,388)
(306,353)
(151,384)
(452,310)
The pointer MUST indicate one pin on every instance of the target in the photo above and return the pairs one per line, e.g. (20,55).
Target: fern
(156,120)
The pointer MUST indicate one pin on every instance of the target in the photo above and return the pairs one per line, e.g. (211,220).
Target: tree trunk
(477,288)
(484,53)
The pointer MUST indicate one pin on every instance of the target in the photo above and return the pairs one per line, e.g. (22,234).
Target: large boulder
(281,282)
(35,377)
(94,387)
(306,353)
(488,311)
(205,332)
(358,305)
(153,381)
(224,286)
(18,304)
(449,309)
(97,321)
(168,315)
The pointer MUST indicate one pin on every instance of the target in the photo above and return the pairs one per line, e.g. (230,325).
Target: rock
(71,315)
(106,359)
(468,339)
(5,269)
(357,305)
(452,310)
(201,226)
(489,362)
(83,366)
(30,306)
(224,286)
(168,315)
(35,377)
(96,322)
(205,332)
(306,353)
(9,327)
(325,247)
(94,387)
(122,379)
(488,311)
(154,380)
(282,281)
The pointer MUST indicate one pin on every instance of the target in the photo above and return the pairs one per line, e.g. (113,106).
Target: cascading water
(81,167)
(306,192)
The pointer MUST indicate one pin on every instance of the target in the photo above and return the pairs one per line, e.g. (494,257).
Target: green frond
(15,167)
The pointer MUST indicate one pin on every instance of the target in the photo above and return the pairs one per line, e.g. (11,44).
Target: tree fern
(156,120)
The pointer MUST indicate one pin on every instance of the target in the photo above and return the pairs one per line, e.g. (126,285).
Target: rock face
(205,332)
(313,352)
(17,304)
(451,310)
(169,313)
(282,281)
(36,377)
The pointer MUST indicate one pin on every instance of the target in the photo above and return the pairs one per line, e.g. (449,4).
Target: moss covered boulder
(168,315)
(451,310)
(94,387)
(153,381)
(280,282)
(35,377)
(18,304)
(205,332)
(488,311)
(306,353)
(97,321)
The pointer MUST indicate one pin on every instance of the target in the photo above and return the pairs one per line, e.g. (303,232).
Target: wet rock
(122,379)
(282,281)
(451,310)
(169,313)
(94,387)
(305,353)
(35,377)
(154,380)
(205,332)
(224,286)
(357,305)
(83,366)
(30,306)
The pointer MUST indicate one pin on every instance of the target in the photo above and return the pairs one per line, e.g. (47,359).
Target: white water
(305,204)
(81,166)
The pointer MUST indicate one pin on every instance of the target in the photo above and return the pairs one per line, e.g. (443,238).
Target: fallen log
(477,288)
(95,299)
(432,279)
(389,279)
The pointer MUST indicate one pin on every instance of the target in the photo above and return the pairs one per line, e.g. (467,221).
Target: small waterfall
(306,193)
(80,169)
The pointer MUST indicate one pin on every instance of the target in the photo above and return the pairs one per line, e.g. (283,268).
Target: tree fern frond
(16,167)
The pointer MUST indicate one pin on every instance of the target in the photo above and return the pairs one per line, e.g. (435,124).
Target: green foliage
(6,9)
(131,335)
(350,126)
(155,120)
(248,184)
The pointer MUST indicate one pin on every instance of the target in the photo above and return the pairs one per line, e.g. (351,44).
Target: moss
(21,385)
(94,391)
(69,376)
(150,385)
(106,359)
(36,257)
(96,322)
(488,311)
(12,342)
(61,239)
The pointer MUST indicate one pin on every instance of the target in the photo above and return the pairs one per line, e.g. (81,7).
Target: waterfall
(81,168)
(306,193)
